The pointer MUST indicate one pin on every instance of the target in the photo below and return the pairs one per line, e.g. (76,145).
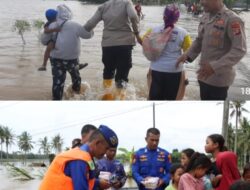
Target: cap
(109,136)
(51,14)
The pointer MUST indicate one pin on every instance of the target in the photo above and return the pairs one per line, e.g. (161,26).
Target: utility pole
(225,121)
(153,115)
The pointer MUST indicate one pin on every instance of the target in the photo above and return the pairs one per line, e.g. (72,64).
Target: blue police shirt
(114,167)
(78,171)
(153,163)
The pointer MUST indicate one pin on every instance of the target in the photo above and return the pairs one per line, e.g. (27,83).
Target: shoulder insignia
(235,26)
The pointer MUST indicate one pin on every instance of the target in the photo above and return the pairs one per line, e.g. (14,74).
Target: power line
(96,118)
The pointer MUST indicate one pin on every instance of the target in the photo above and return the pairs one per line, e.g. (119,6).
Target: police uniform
(116,169)
(75,169)
(151,163)
(222,43)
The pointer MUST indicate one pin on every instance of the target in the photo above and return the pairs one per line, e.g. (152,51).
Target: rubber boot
(108,95)
(120,93)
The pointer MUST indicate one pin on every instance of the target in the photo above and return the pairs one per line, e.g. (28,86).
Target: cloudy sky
(182,124)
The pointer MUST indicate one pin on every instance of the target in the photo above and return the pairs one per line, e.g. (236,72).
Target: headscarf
(171,15)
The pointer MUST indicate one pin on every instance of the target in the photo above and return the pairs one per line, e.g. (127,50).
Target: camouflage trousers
(59,69)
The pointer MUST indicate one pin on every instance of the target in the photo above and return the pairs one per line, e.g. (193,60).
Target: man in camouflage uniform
(222,43)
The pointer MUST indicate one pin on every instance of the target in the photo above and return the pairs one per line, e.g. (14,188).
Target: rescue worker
(120,29)
(75,168)
(115,167)
(64,57)
(151,161)
(86,132)
(222,43)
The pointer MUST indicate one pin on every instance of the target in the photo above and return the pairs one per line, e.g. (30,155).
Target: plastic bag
(154,43)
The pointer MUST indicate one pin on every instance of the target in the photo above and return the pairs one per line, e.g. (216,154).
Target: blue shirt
(114,167)
(151,163)
(78,171)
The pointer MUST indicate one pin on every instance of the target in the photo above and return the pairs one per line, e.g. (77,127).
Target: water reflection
(19,78)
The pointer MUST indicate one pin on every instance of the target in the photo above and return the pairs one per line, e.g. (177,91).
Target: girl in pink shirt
(196,169)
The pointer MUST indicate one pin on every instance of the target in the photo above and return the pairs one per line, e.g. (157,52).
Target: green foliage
(176,156)
(38,24)
(21,26)
(19,172)
(126,157)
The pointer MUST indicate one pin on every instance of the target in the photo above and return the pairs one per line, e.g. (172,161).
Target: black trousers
(59,69)
(164,85)
(117,62)
(209,92)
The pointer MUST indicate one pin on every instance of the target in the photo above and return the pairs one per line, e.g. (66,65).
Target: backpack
(154,43)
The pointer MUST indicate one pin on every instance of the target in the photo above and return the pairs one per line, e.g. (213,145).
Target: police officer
(151,161)
(86,132)
(222,43)
(75,169)
(115,167)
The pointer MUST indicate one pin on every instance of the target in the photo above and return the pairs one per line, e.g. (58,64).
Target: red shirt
(226,162)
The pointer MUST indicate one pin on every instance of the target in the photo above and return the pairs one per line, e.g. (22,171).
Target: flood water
(9,181)
(20,80)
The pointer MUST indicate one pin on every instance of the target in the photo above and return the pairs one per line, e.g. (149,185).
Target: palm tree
(1,140)
(44,146)
(237,109)
(230,137)
(244,140)
(8,138)
(25,143)
(57,143)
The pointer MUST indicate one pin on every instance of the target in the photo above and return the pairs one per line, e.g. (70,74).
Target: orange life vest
(55,179)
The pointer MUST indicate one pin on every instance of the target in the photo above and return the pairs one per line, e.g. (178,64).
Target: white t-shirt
(172,51)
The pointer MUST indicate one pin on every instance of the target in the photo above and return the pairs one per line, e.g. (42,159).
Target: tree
(244,138)
(237,109)
(8,138)
(1,140)
(176,155)
(21,26)
(57,143)
(25,143)
(126,157)
(44,146)
(38,24)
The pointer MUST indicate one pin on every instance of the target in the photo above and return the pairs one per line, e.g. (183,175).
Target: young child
(186,155)
(51,17)
(176,171)
(246,173)
(166,76)
(225,162)
(196,170)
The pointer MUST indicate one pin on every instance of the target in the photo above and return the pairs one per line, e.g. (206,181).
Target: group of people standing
(221,43)
(81,167)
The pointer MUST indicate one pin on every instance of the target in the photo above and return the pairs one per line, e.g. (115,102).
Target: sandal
(42,68)
(81,66)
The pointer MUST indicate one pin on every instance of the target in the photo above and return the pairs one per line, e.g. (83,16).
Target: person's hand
(181,59)
(160,183)
(104,184)
(215,180)
(205,71)
(138,38)
(117,185)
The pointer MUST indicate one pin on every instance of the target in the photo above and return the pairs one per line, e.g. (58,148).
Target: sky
(183,124)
